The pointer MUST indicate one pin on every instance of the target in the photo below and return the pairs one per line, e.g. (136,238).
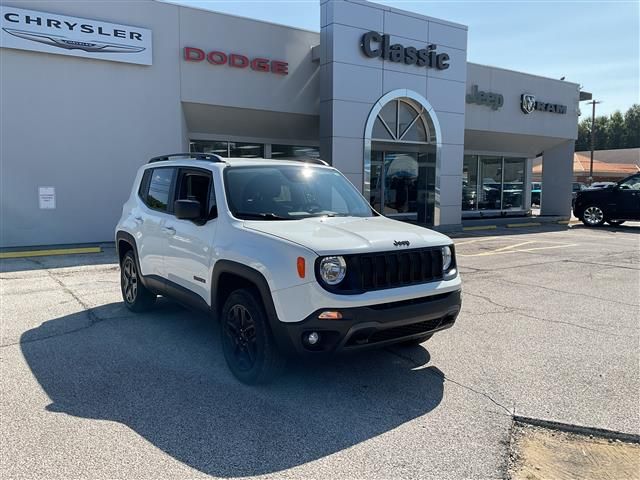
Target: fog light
(313,338)
(330,315)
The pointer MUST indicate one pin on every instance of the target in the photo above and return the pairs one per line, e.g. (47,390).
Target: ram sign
(78,37)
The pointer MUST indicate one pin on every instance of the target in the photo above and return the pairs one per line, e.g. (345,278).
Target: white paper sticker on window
(47,197)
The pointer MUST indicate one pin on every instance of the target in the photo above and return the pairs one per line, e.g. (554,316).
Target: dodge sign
(78,37)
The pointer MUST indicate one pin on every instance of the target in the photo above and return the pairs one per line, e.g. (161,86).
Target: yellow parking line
(480,227)
(515,249)
(482,239)
(56,251)
(529,224)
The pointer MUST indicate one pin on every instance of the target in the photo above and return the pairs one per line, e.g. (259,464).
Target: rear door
(156,192)
(190,243)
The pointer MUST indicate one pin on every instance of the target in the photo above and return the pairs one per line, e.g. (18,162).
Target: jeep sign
(77,37)
(493,100)
(375,44)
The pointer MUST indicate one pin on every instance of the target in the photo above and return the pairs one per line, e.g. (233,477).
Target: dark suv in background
(612,204)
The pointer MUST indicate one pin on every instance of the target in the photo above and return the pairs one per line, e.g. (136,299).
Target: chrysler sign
(78,37)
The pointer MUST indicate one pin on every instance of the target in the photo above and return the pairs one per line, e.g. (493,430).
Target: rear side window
(159,188)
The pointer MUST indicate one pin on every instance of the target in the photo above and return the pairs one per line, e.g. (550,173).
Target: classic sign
(378,45)
(79,37)
(236,60)
(529,104)
(493,100)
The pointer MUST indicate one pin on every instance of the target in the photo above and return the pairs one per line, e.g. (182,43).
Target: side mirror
(187,209)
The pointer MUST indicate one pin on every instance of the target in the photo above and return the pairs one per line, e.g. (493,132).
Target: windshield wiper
(261,215)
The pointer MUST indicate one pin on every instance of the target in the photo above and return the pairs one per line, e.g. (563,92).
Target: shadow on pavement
(163,375)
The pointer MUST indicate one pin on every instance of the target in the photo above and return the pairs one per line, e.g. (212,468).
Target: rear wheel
(417,341)
(615,223)
(247,342)
(135,295)
(593,216)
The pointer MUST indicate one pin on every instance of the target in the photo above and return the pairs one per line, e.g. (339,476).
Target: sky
(593,43)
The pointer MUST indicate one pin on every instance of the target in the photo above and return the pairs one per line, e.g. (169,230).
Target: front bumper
(371,326)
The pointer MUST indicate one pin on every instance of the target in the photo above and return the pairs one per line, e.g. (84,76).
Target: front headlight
(333,270)
(446,258)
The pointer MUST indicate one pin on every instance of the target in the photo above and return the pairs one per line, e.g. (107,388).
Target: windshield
(288,192)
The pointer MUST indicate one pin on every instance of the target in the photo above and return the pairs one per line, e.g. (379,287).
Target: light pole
(593,137)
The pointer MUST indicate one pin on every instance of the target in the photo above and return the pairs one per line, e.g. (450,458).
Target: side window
(632,183)
(159,188)
(144,185)
(197,185)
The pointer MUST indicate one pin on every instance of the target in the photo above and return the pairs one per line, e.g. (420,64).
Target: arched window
(401,157)
(400,120)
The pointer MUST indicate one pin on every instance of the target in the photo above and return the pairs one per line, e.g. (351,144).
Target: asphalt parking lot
(549,329)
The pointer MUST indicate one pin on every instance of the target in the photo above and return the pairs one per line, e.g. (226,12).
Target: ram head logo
(528,103)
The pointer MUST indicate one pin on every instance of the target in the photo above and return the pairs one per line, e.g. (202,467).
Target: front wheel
(247,342)
(593,216)
(615,223)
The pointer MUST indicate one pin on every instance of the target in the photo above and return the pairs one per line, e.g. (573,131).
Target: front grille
(377,271)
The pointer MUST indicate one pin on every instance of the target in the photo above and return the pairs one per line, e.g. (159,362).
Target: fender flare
(128,238)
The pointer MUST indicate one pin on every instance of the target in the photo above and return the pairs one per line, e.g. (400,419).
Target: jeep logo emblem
(402,243)
(528,103)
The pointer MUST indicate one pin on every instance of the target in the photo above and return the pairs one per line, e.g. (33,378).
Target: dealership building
(90,90)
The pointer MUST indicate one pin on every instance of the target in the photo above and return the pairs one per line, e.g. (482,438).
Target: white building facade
(92,90)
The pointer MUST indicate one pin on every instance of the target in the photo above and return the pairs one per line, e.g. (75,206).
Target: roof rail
(314,160)
(209,157)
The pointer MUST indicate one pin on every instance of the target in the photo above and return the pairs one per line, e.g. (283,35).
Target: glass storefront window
(294,152)
(219,148)
(493,183)
(490,173)
(470,182)
(513,184)
(246,150)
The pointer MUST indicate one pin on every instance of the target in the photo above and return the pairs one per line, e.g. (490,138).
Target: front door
(190,243)
(627,198)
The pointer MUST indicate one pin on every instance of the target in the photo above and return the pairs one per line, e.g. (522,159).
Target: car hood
(344,235)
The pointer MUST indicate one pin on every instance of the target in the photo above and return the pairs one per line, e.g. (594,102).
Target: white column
(557,173)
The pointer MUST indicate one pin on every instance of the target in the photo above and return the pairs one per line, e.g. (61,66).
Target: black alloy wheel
(247,342)
(135,295)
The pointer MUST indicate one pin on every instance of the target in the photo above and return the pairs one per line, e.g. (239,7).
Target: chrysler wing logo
(528,103)
(402,243)
(62,42)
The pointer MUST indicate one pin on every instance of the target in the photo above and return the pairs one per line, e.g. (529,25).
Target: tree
(584,135)
(632,127)
(602,133)
(616,130)
(612,132)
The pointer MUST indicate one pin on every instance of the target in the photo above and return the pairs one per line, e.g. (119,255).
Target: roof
(581,166)
(630,156)
(623,161)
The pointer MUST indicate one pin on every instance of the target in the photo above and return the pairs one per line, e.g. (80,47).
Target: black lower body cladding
(371,326)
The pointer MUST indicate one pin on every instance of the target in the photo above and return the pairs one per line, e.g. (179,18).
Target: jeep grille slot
(381,270)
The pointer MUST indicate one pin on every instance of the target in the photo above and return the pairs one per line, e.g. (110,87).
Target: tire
(592,216)
(135,295)
(247,342)
(414,342)
(615,223)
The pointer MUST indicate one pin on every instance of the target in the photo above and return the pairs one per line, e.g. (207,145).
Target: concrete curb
(567,427)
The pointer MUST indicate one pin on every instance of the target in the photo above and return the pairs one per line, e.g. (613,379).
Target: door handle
(138,219)
(169,230)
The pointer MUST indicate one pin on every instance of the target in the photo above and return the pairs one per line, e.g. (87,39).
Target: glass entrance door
(403,182)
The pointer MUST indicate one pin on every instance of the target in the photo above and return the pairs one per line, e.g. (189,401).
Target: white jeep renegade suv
(288,255)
